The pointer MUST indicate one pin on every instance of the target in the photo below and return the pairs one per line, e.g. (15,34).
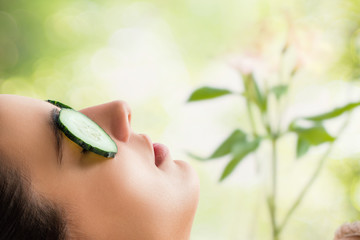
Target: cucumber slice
(58,104)
(86,133)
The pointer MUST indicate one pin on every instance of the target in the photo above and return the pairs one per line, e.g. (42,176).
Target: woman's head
(125,197)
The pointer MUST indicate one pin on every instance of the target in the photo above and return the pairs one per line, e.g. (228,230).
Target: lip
(161,152)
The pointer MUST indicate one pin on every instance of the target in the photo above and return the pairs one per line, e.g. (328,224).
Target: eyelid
(54,114)
(84,151)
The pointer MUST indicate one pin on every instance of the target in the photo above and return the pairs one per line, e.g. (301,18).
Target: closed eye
(84,151)
(54,114)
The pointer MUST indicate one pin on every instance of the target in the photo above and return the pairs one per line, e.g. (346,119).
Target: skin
(125,197)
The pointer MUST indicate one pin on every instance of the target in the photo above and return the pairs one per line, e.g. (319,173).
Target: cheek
(129,192)
(144,191)
(115,188)
(106,198)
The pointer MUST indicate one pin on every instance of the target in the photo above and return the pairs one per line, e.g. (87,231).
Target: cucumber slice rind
(58,104)
(82,130)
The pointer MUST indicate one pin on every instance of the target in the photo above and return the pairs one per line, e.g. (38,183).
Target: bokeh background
(154,54)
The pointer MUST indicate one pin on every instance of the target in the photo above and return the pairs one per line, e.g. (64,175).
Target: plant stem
(274,175)
(272,198)
(253,129)
(312,179)
(274,167)
(306,188)
(251,118)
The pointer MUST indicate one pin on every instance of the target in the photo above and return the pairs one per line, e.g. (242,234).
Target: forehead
(20,114)
(25,134)
(9,102)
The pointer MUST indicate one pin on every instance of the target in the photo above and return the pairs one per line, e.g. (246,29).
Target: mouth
(159,151)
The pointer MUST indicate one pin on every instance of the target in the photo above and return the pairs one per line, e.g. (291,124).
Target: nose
(114,117)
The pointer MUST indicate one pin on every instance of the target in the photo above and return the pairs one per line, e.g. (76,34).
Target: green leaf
(239,151)
(237,136)
(334,113)
(302,147)
(196,157)
(205,93)
(314,135)
(279,90)
(253,93)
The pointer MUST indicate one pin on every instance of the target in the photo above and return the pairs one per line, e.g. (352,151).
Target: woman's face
(125,197)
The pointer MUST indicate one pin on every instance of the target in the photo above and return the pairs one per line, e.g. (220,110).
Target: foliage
(240,144)
(347,172)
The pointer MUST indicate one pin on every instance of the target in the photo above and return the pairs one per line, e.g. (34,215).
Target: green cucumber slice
(58,104)
(86,133)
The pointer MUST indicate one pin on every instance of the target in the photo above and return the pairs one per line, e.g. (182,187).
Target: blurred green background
(154,53)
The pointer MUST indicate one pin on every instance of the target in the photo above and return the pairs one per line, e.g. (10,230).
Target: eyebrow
(53,116)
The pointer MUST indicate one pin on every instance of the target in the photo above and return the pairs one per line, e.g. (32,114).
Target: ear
(348,231)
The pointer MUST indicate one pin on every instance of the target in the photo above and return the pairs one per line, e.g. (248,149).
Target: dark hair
(348,231)
(24,214)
